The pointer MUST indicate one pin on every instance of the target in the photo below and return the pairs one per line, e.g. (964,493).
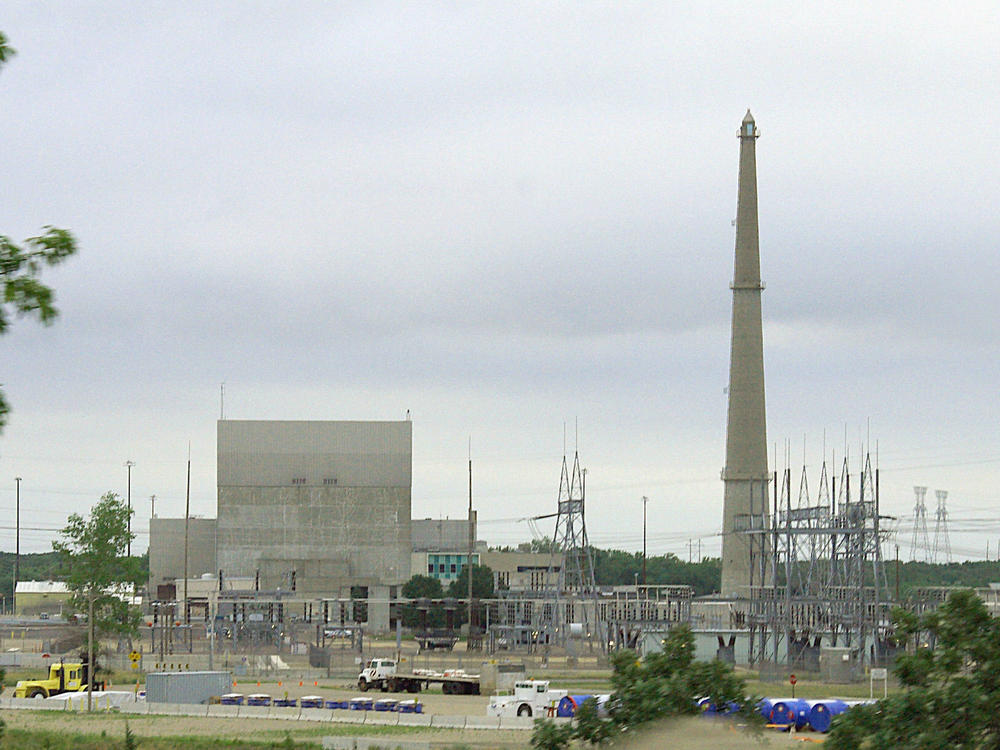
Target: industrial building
(166,552)
(440,547)
(46,598)
(315,507)
(308,507)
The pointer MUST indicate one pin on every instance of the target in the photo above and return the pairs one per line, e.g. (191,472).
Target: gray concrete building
(745,476)
(441,534)
(166,550)
(315,506)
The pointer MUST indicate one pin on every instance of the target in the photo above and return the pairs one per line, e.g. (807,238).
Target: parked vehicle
(64,677)
(383,674)
(530,698)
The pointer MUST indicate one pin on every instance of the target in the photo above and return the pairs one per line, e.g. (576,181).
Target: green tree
(951,676)
(482,588)
(548,735)
(664,684)
(590,726)
(6,51)
(482,583)
(423,587)
(20,266)
(98,572)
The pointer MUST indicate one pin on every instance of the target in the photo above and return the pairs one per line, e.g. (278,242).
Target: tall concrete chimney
(745,477)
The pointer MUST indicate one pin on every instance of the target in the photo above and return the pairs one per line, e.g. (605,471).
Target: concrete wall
(327,500)
(166,549)
(436,534)
(519,571)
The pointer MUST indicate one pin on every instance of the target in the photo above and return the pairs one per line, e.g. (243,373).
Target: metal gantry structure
(817,576)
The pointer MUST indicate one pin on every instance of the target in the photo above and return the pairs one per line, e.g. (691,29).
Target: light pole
(17,544)
(128,493)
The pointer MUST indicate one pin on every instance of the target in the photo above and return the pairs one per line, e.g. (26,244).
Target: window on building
(430,568)
(441,568)
(454,568)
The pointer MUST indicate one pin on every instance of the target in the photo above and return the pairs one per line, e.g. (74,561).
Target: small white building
(41,598)
(51,598)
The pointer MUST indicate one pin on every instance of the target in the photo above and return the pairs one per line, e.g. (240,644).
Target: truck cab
(530,698)
(376,673)
(63,678)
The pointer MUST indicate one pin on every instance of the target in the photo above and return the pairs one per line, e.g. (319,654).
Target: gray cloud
(502,218)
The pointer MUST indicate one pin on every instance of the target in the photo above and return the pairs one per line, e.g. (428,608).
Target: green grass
(815,689)
(265,735)
(39,739)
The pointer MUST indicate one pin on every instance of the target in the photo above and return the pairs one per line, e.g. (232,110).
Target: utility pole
(897,574)
(187,516)
(472,544)
(17,548)
(128,493)
(644,501)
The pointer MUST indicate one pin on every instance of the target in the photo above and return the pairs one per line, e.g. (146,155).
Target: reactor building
(311,507)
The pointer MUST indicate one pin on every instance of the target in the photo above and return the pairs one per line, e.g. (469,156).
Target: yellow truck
(64,677)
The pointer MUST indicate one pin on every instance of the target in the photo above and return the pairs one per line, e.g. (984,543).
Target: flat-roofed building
(166,550)
(41,597)
(315,507)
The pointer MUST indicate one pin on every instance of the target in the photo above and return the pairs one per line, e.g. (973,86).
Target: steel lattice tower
(827,581)
(920,540)
(571,586)
(941,544)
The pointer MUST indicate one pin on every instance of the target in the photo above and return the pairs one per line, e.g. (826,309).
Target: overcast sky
(515,221)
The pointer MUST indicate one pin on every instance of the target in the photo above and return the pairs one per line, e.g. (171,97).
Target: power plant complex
(315,517)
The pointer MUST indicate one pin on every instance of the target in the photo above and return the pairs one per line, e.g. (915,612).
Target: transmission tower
(941,544)
(571,568)
(920,540)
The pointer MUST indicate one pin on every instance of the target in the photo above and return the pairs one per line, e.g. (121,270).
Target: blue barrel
(764,708)
(822,713)
(361,704)
(802,713)
(568,705)
(311,701)
(708,708)
(786,712)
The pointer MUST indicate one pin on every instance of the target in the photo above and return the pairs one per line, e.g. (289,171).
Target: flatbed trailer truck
(383,674)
